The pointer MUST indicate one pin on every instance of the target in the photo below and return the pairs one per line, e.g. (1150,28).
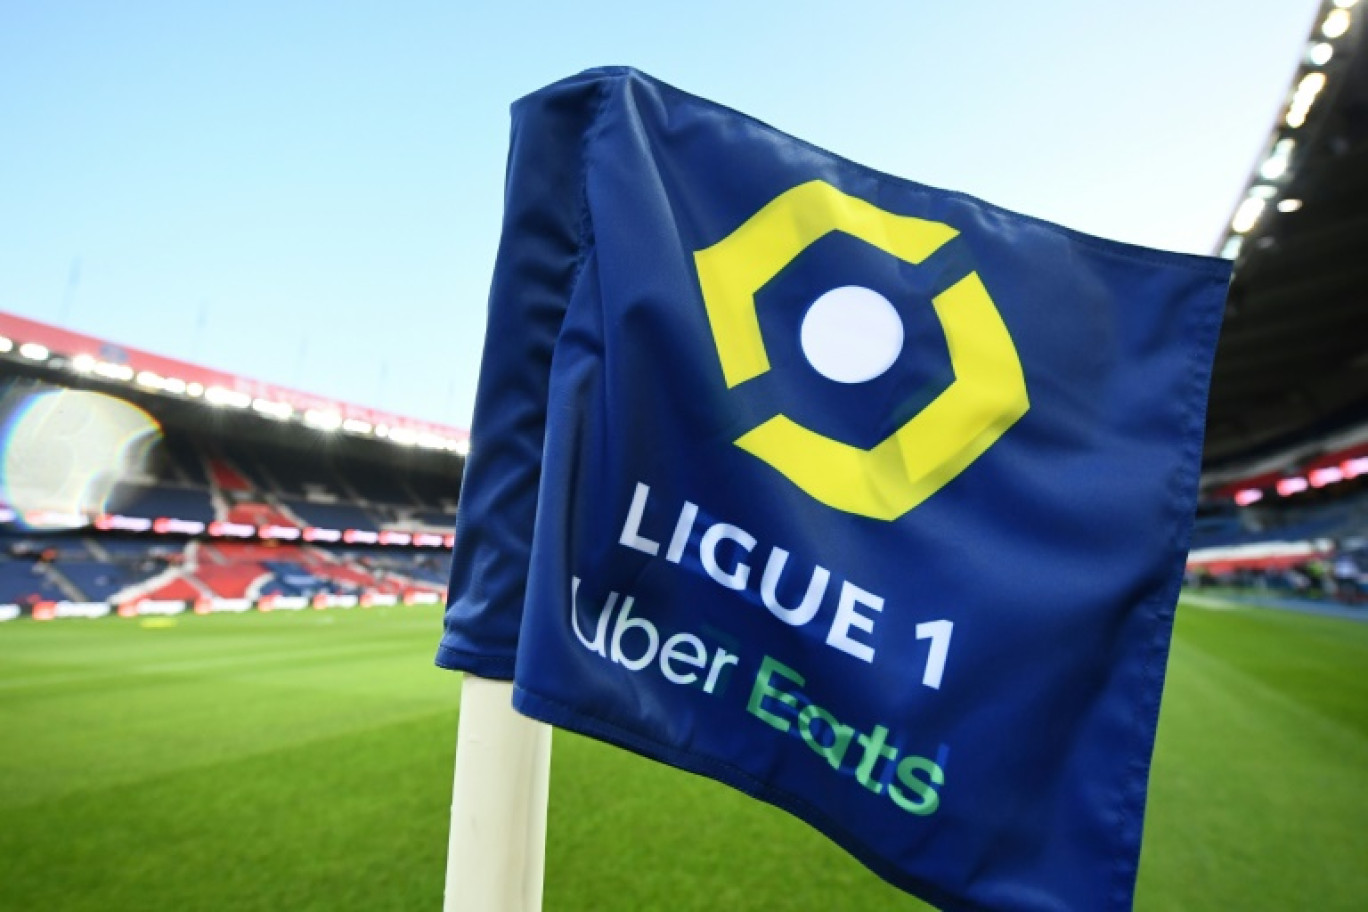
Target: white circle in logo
(852,334)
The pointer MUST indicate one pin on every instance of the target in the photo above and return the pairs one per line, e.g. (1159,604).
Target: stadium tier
(142,576)
(154,500)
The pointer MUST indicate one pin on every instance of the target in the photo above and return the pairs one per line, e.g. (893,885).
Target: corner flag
(868,499)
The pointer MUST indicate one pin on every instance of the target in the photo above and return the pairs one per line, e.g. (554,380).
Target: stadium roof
(1291,374)
(60,350)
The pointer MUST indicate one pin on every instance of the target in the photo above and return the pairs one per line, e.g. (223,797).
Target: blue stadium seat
(152,502)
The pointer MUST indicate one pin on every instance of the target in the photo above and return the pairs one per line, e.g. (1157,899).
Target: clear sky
(309,193)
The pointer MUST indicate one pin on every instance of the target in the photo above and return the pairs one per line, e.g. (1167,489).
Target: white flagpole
(496,854)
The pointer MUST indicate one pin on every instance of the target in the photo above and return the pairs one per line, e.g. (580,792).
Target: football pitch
(303,761)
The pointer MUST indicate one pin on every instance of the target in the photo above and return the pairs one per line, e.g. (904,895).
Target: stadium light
(194,389)
(1232,247)
(360,537)
(34,352)
(1289,205)
(391,537)
(382,431)
(1304,96)
(1279,160)
(323,420)
(7,515)
(1247,215)
(6,344)
(1320,53)
(1353,468)
(173,385)
(1311,84)
(149,379)
(1336,23)
(280,411)
(317,533)
(217,395)
(111,371)
(356,426)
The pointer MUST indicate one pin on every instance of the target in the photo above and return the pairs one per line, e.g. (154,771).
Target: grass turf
(303,761)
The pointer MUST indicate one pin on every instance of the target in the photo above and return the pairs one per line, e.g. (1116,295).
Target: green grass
(303,761)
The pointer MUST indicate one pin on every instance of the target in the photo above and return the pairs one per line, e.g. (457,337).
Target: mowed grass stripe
(125,728)
(352,822)
(51,682)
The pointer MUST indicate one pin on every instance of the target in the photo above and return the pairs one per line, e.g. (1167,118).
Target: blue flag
(866,498)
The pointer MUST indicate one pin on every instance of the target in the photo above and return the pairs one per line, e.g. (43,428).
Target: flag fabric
(868,499)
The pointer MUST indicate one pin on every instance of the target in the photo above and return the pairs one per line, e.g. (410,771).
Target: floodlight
(1336,23)
(323,420)
(217,395)
(280,411)
(1278,161)
(112,371)
(1247,215)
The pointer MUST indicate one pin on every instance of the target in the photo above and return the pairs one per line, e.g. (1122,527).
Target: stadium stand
(226,477)
(330,515)
(258,514)
(27,582)
(96,581)
(229,509)
(442,520)
(185,463)
(379,485)
(251,461)
(116,570)
(159,500)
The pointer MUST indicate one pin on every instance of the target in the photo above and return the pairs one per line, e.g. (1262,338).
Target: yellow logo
(986,397)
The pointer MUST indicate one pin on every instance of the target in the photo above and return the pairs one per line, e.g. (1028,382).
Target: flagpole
(496,852)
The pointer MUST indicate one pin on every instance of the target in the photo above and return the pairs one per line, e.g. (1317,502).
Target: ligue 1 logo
(986,397)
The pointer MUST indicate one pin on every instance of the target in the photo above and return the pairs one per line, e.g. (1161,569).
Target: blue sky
(309,193)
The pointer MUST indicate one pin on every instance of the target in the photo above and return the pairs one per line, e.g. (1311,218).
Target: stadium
(219,599)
